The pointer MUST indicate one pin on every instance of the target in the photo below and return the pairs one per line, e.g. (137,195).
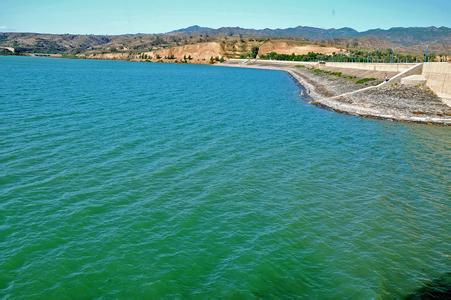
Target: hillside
(400,35)
(305,32)
(202,43)
(290,47)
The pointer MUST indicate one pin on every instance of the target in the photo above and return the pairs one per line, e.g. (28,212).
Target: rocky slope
(290,47)
(197,53)
(236,40)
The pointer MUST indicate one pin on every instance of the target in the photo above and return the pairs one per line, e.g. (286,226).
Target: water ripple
(200,182)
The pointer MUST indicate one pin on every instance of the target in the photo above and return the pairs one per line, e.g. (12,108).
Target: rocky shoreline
(342,93)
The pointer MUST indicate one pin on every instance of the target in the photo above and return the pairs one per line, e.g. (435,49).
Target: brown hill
(290,47)
(199,53)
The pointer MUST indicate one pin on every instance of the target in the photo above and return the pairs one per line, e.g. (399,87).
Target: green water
(146,181)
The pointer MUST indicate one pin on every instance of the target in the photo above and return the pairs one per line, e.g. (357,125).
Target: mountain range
(410,39)
(403,35)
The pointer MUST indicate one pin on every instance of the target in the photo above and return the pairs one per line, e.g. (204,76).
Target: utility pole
(426,54)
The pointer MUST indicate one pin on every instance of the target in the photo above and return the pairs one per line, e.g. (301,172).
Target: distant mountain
(195,30)
(306,32)
(411,35)
(405,36)
(412,39)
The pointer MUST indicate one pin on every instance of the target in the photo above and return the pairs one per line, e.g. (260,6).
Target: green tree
(254,52)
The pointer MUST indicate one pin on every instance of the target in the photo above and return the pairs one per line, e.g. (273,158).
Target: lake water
(138,180)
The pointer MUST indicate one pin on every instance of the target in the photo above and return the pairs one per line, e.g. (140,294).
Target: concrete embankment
(377,67)
(438,79)
(387,100)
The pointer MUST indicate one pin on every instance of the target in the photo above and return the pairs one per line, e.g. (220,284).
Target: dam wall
(437,74)
(379,67)
(438,78)
(413,70)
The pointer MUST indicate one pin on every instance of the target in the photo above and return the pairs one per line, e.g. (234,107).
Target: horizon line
(222,27)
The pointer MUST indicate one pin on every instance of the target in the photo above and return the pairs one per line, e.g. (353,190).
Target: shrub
(254,52)
(365,80)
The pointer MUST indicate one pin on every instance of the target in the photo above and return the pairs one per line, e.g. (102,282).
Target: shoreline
(331,103)
(313,96)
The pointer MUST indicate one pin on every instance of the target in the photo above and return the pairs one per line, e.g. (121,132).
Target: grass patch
(70,56)
(365,80)
(332,73)
(319,71)
(337,74)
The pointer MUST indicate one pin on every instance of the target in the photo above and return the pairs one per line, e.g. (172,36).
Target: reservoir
(141,180)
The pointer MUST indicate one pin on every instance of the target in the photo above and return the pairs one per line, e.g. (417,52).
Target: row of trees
(379,56)
(186,59)
(6,52)
(169,57)
(251,54)
(216,59)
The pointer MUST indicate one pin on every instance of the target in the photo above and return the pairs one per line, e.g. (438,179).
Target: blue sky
(156,16)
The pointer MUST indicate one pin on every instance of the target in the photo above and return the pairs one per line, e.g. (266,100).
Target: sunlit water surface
(136,180)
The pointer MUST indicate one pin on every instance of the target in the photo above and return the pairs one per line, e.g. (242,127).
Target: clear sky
(157,16)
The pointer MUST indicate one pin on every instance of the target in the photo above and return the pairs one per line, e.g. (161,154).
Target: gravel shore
(329,85)
(389,101)
(395,98)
